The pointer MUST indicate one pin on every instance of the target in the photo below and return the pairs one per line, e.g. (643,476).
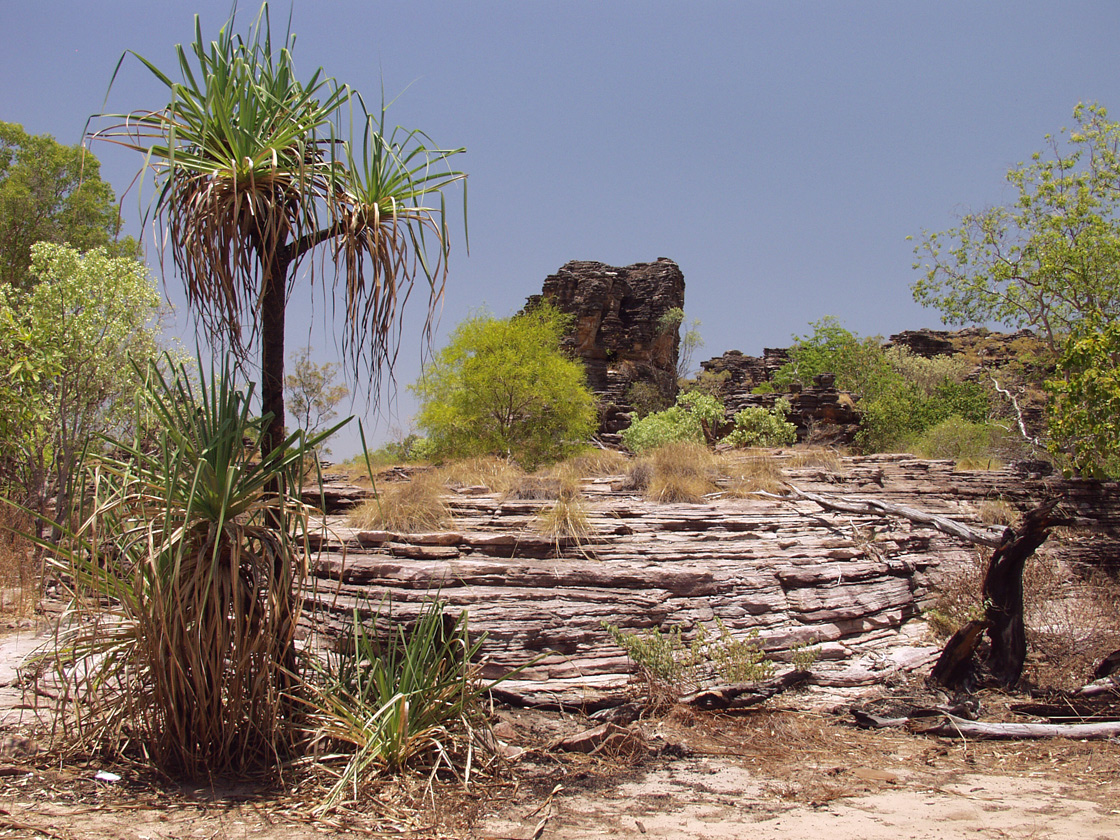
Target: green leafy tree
(1049,260)
(67,345)
(51,193)
(256,167)
(1084,414)
(503,386)
(859,364)
(313,395)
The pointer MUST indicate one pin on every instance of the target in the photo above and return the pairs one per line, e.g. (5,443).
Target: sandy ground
(778,773)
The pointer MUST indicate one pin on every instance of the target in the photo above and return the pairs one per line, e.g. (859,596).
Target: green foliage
(255,166)
(180,632)
(1051,259)
(1084,415)
(962,441)
(672,425)
(690,341)
(312,393)
(858,363)
(65,350)
(901,395)
(51,193)
(672,665)
(503,386)
(408,696)
(759,427)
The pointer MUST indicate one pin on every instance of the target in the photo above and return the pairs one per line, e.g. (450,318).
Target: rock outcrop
(783,569)
(619,331)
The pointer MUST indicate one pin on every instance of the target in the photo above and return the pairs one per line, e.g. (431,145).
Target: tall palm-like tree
(253,173)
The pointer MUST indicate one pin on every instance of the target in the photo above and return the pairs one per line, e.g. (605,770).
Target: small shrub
(736,660)
(406,507)
(805,655)
(645,398)
(671,666)
(664,427)
(759,427)
(964,442)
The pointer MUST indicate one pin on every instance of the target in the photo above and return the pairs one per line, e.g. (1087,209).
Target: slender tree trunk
(274,289)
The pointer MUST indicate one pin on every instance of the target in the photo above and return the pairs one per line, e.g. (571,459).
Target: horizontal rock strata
(788,571)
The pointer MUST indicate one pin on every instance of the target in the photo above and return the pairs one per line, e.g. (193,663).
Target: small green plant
(664,659)
(411,696)
(804,655)
(671,665)
(735,660)
(759,427)
(645,398)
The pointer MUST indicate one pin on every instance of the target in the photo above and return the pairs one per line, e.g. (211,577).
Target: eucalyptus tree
(255,168)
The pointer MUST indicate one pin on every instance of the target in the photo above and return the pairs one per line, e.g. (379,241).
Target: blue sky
(780,152)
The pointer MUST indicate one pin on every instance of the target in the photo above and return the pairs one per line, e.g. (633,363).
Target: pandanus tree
(255,169)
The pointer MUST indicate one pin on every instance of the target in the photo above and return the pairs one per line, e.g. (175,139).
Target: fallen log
(955,726)
(743,695)
(845,504)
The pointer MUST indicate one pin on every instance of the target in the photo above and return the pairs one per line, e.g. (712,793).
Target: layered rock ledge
(786,570)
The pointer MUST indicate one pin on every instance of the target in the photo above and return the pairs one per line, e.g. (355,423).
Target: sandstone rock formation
(617,331)
(784,569)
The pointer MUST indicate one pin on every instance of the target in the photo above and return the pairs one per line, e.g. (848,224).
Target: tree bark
(274,293)
(1003,592)
(1003,610)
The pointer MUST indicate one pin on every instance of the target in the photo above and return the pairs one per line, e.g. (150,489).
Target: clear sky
(780,152)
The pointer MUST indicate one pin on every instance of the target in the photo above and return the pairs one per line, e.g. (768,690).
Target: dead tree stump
(1003,608)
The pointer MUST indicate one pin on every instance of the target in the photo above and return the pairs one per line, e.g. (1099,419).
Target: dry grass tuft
(677,472)
(567,520)
(816,456)
(996,512)
(595,463)
(497,474)
(751,471)
(407,506)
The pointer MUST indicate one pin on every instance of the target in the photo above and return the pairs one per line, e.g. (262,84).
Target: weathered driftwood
(743,695)
(952,725)
(977,536)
